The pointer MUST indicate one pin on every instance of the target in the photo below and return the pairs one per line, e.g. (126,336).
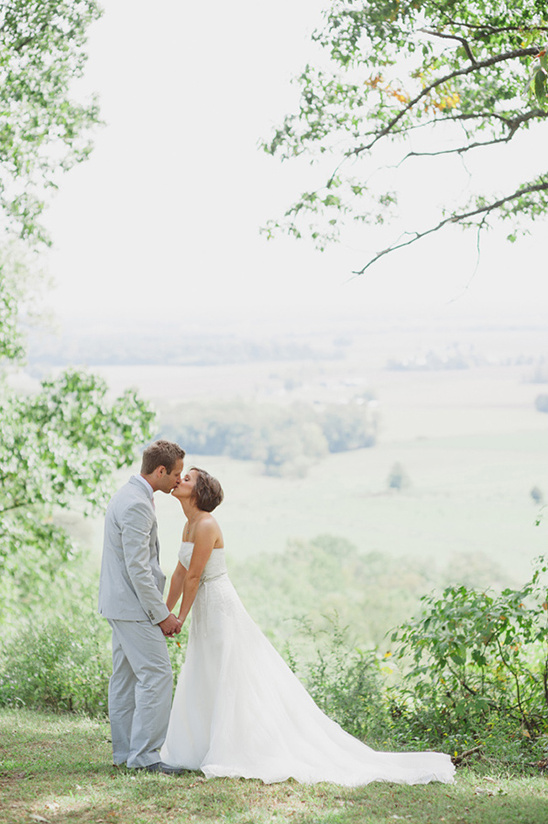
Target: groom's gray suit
(130,597)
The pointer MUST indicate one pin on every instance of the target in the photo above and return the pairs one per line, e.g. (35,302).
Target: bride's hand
(170,626)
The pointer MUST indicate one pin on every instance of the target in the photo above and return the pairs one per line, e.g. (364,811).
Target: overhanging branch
(461,149)
(483,64)
(513,123)
(490,29)
(458,218)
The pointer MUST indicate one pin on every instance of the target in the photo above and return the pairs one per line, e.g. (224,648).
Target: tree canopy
(62,438)
(399,80)
(43,129)
(58,449)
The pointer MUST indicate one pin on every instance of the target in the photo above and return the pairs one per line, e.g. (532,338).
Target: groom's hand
(170,626)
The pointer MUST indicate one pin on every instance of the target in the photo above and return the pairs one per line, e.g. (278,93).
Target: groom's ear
(158,473)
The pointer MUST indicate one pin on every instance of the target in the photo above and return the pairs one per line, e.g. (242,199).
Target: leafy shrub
(370,592)
(63,665)
(344,681)
(477,667)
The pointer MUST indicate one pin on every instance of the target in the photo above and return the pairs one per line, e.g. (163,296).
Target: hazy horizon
(164,218)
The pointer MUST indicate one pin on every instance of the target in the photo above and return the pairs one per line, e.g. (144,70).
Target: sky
(162,223)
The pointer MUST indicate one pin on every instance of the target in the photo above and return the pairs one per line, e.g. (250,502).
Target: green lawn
(57,769)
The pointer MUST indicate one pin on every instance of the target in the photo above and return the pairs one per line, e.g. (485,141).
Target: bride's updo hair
(208,492)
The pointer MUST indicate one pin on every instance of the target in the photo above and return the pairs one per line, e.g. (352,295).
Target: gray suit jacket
(131,582)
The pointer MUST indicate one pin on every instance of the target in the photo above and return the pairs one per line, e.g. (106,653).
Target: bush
(370,592)
(494,745)
(63,665)
(477,668)
(344,681)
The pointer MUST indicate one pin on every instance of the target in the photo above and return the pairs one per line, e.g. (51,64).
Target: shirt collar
(147,486)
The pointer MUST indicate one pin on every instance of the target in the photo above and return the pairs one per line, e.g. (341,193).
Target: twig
(458,759)
(462,40)
(539,187)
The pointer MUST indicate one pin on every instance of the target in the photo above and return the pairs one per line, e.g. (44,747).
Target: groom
(130,598)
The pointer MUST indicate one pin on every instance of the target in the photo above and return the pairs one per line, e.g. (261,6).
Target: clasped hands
(170,626)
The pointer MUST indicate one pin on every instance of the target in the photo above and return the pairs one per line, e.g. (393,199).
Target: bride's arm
(176,586)
(204,540)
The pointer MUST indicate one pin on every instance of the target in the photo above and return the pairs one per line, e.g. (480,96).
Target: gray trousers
(139,693)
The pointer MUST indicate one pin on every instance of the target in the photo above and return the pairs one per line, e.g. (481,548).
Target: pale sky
(163,220)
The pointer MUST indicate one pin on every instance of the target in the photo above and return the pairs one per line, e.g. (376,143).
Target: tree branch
(483,210)
(513,125)
(491,29)
(13,506)
(458,118)
(458,759)
(462,40)
(491,61)
(460,150)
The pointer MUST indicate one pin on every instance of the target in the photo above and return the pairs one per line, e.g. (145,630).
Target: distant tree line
(123,348)
(453,358)
(285,439)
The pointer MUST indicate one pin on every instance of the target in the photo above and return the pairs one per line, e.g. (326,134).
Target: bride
(239,711)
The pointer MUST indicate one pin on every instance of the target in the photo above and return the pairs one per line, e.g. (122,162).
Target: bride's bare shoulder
(208,528)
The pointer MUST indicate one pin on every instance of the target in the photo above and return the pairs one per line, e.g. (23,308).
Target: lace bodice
(215,567)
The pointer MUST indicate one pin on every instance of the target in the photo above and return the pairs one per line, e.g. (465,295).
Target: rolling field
(470,440)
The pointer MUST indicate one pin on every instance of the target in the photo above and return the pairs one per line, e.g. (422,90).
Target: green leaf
(540,86)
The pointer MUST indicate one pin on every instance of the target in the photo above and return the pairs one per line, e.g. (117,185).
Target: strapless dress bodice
(215,567)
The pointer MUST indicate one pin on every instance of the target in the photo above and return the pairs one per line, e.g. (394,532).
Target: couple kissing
(238,709)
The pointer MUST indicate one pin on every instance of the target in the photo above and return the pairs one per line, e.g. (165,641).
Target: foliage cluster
(61,665)
(467,674)
(286,440)
(416,80)
(62,662)
(476,662)
(344,680)
(328,575)
(433,361)
(58,446)
(398,478)
(43,130)
(59,441)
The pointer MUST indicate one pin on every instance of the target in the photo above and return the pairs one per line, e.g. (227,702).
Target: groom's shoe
(160,767)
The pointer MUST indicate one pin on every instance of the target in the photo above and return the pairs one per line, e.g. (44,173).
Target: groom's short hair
(161,453)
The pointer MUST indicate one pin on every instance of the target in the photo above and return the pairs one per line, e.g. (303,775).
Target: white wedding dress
(239,711)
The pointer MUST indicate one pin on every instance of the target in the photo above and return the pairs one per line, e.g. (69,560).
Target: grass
(57,769)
